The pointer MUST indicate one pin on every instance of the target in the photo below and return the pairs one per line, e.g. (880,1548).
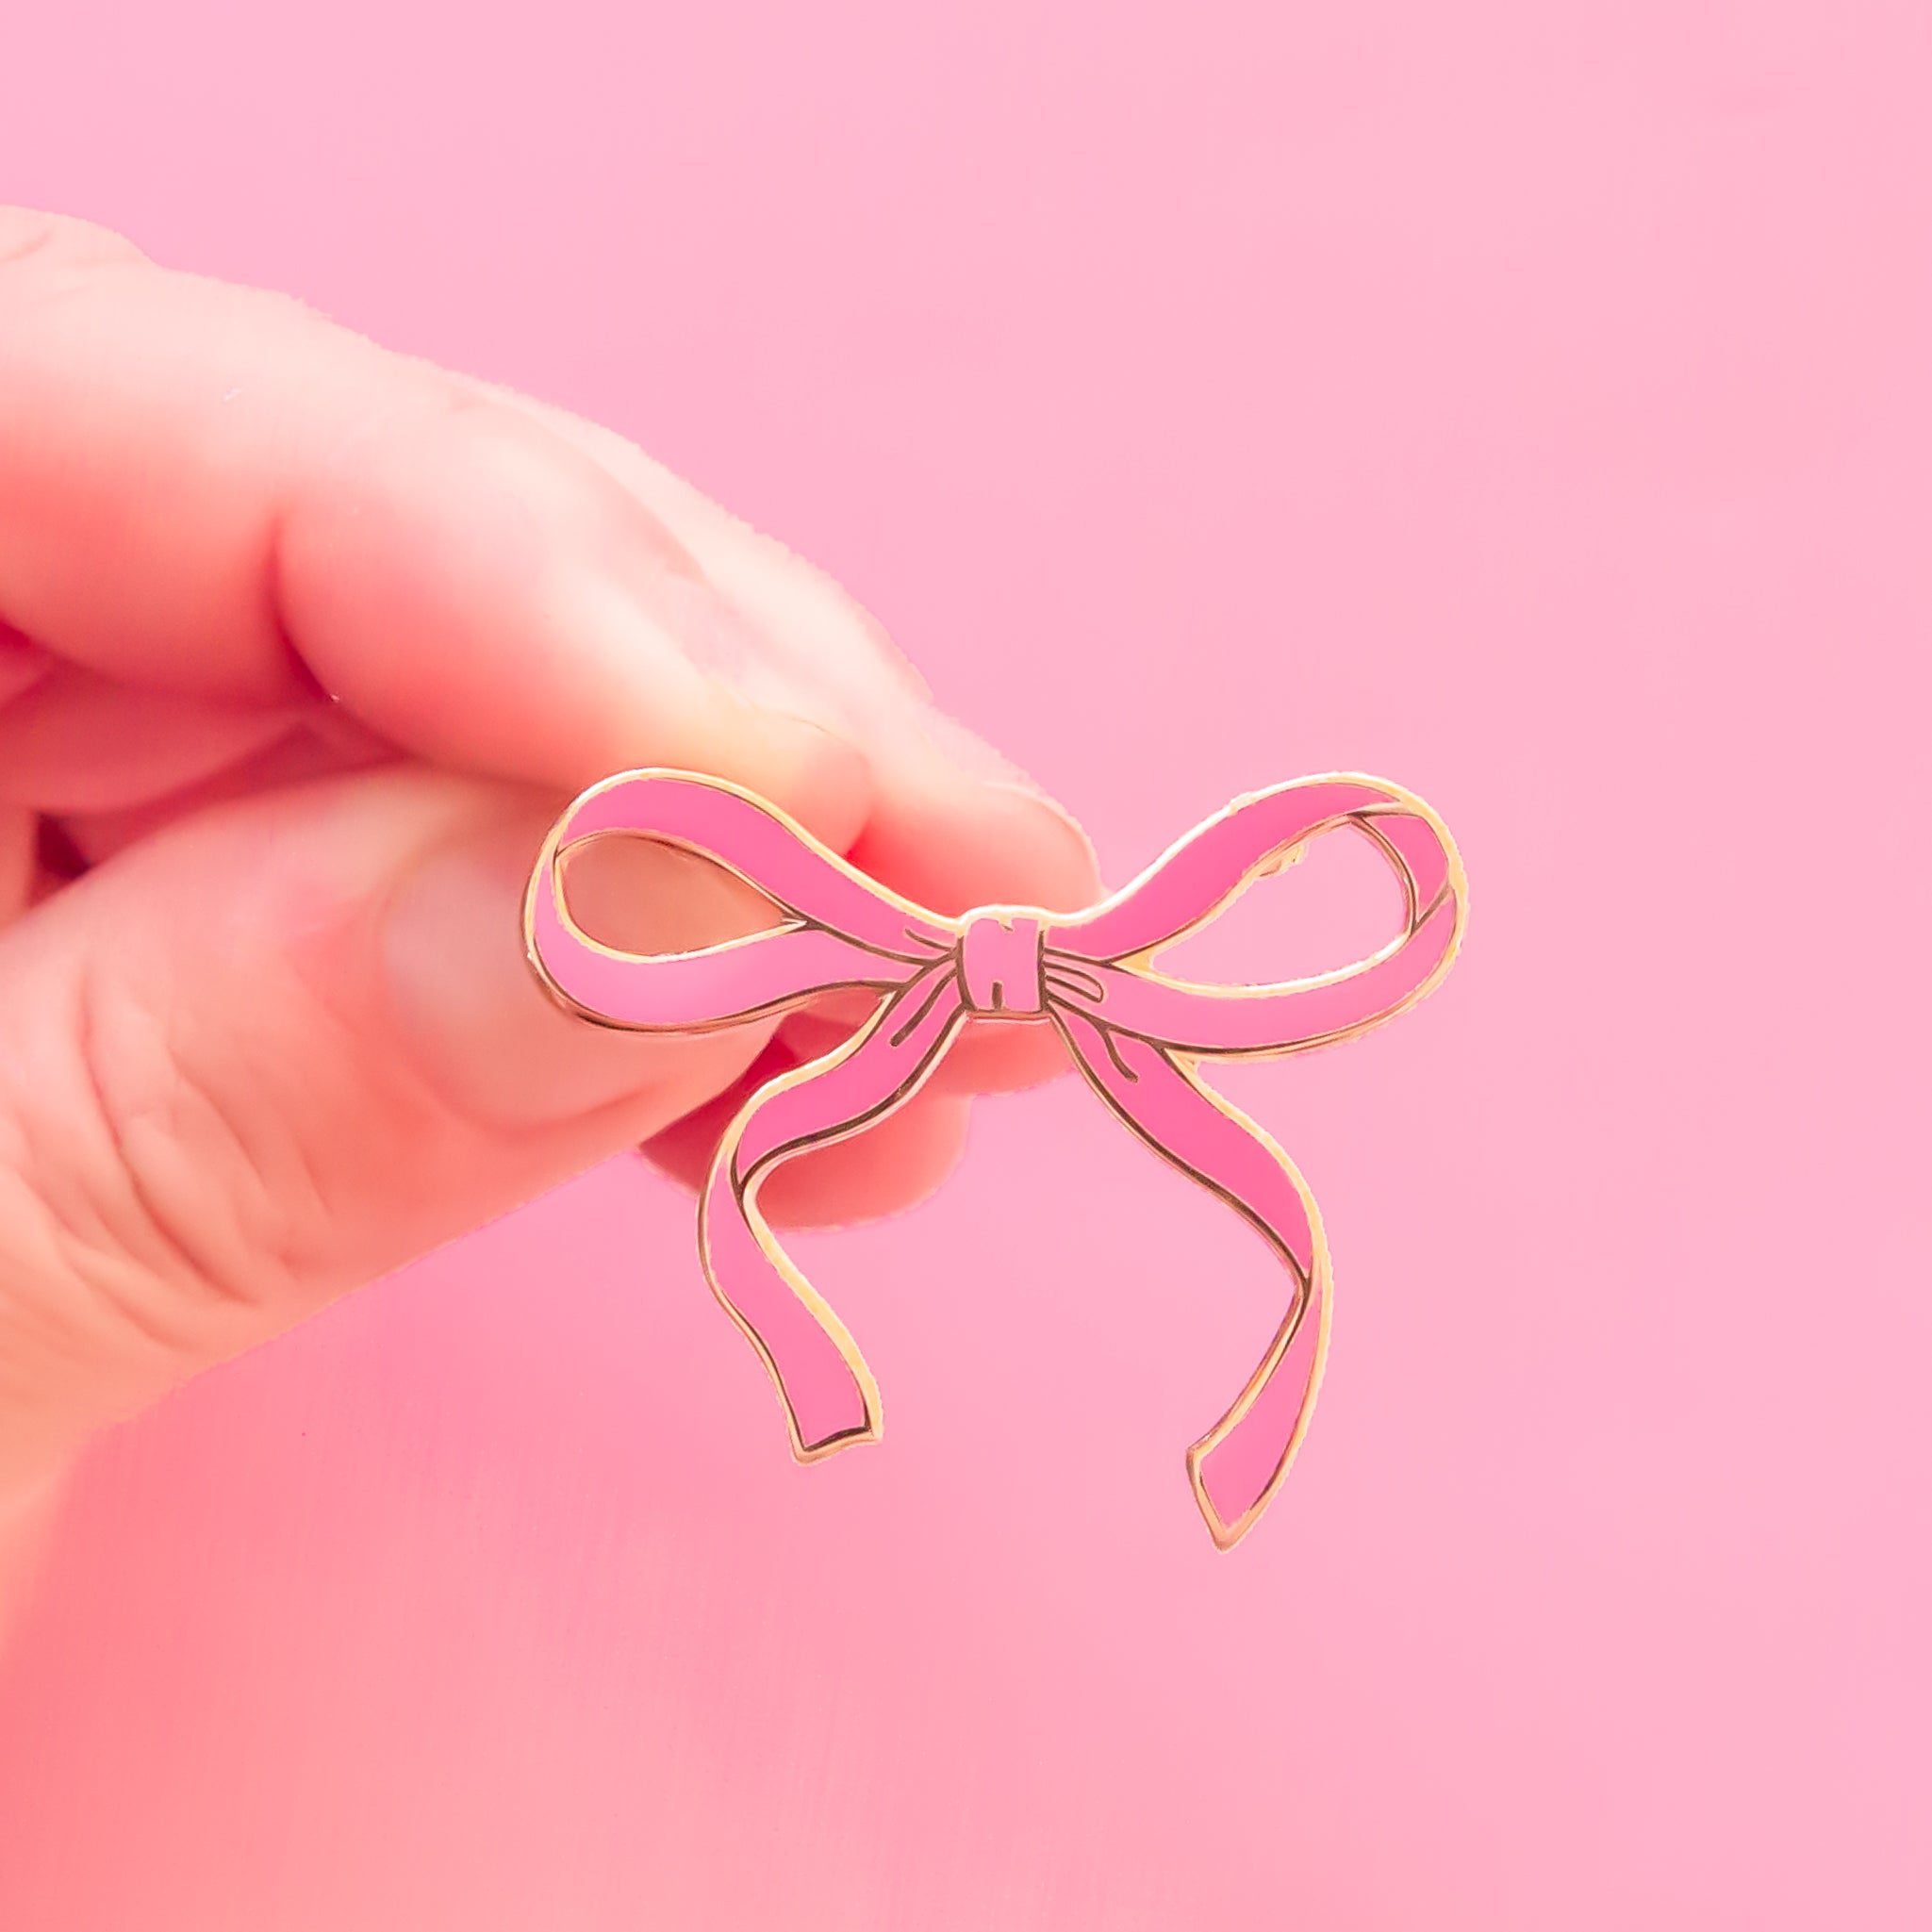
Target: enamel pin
(1137,1036)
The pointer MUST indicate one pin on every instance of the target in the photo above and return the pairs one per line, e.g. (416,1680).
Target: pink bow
(1135,1033)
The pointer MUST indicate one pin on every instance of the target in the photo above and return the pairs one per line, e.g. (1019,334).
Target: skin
(303,644)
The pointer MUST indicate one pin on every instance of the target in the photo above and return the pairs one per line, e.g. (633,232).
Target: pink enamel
(753,840)
(1264,1020)
(1171,1114)
(1000,966)
(1132,1032)
(1420,851)
(784,1120)
(1240,1469)
(814,1377)
(678,992)
(1212,862)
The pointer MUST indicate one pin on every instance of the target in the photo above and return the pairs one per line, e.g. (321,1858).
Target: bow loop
(840,928)
(1200,876)
(1133,1032)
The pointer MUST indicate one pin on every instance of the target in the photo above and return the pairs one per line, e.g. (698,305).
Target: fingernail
(1073,882)
(1046,802)
(969,752)
(485,1032)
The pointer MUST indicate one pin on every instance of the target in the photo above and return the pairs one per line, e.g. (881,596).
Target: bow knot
(1134,1034)
(1001,963)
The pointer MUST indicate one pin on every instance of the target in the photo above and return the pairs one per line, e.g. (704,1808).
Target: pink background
(1527,402)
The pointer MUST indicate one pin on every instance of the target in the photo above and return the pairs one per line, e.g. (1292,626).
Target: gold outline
(1397,800)
(1308,1283)
(744,1190)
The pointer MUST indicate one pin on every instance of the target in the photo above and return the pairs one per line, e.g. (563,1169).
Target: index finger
(214,491)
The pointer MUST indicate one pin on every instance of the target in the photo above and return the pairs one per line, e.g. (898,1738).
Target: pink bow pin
(1133,1032)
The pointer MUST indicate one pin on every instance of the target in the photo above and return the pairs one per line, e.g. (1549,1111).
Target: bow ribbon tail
(1237,1466)
(827,1391)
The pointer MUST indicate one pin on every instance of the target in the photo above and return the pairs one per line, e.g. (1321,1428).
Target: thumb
(287,1044)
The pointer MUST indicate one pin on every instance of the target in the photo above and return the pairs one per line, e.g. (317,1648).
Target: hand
(302,646)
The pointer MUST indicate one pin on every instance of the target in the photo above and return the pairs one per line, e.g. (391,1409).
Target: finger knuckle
(30,235)
(203,1175)
(157,1208)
